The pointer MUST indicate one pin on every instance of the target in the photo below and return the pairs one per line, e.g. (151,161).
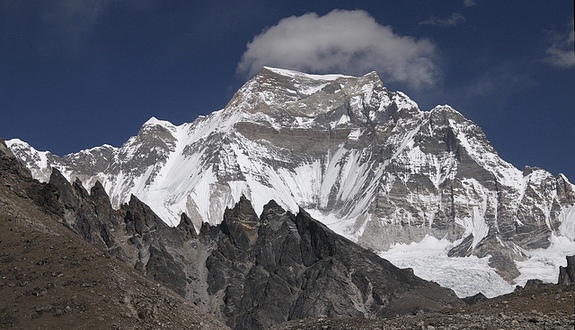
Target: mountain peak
(266,70)
(153,121)
(291,98)
(301,79)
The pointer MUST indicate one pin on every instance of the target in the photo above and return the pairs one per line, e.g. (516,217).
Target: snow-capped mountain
(365,161)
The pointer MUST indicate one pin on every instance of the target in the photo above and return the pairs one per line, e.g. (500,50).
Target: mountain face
(51,278)
(249,271)
(365,161)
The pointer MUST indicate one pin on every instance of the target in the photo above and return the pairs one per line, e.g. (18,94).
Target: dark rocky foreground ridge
(50,278)
(251,272)
(535,306)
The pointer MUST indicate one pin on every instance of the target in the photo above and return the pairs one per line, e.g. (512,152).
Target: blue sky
(78,74)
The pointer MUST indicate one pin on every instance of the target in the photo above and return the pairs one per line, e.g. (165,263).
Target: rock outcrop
(567,273)
(281,266)
(537,305)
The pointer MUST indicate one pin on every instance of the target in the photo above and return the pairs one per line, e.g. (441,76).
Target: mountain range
(69,258)
(365,161)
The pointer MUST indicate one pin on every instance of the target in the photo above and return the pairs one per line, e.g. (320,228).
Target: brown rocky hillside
(50,278)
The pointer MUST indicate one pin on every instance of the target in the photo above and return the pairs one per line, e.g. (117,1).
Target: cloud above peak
(349,42)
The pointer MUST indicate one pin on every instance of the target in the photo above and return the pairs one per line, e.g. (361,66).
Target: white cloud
(349,42)
(561,53)
(469,3)
(452,20)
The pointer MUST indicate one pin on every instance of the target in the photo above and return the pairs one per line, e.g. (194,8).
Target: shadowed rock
(250,271)
(567,273)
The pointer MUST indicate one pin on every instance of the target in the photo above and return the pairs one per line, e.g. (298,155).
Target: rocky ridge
(536,306)
(365,161)
(253,272)
(250,271)
(51,278)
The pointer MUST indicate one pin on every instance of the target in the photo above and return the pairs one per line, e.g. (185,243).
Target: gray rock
(250,271)
(294,267)
(567,273)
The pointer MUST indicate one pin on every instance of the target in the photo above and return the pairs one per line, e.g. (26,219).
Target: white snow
(299,75)
(474,225)
(567,219)
(403,101)
(312,89)
(41,157)
(466,276)
(153,121)
(470,275)
(343,120)
(354,134)
(303,122)
(544,264)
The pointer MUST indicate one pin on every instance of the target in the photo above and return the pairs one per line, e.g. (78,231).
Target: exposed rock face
(567,274)
(51,278)
(132,234)
(475,299)
(286,266)
(365,160)
(250,271)
(537,305)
